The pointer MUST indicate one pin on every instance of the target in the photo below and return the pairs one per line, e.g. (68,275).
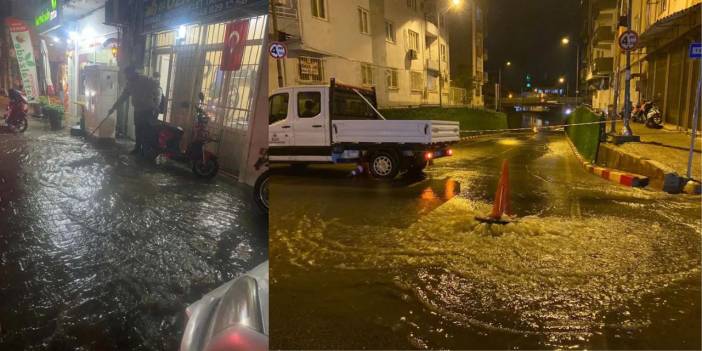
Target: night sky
(528,33)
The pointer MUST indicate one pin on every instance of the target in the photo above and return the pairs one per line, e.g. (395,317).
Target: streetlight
(565,42)
(454,3)
(561,80)
(498,91)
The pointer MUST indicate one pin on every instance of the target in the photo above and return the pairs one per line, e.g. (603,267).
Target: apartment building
(661,69)
(400,47)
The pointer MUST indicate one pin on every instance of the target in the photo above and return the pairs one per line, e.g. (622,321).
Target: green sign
(47,13)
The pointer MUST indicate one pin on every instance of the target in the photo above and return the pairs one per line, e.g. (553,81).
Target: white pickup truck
(339,123)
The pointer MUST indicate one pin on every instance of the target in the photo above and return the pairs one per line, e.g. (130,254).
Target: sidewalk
(661,156)
(668,147)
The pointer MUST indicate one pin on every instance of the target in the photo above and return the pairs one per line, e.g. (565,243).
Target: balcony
(602,66)
(432,30)
(433,65)
(603,37)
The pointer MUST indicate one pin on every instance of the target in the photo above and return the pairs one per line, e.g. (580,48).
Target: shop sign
(48,14)
(234,43)
(309,67)
(696,50)
(22,43)
(169,14)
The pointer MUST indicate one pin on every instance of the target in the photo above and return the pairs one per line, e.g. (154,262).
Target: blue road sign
(696,50)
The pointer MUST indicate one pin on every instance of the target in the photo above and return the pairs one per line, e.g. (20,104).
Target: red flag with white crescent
(234,43)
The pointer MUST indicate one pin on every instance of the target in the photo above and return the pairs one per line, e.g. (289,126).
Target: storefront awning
(663,26)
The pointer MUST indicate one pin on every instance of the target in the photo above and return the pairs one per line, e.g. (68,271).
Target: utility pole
(695,121)
(498,90)
(627,82)
(438,23)
(278,62)
(577,72)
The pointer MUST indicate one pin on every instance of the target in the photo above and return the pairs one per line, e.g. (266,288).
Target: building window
(319,9)
(389,31)
(431,83)
(311,69)
(442,52)
(412,4)
(416,81)
(391,76)
(309,104)
(366,74)
(363,20)
(413,40)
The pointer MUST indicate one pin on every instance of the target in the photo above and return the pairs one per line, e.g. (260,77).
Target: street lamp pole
(438,23)
(577,73)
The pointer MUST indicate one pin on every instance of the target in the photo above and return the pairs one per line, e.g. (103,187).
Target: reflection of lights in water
(428,194)
(509,141)
(451,189)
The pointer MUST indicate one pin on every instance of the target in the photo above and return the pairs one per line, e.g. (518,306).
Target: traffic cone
(502,203)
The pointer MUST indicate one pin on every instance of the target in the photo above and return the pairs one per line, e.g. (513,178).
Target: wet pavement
(589,265)
(102,251)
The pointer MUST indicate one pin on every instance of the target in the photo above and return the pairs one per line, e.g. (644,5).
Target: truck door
(280,124)
(311,117)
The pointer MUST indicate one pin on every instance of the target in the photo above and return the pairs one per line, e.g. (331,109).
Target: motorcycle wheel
(206,169)
(21,125)
(657,119)
(261,191)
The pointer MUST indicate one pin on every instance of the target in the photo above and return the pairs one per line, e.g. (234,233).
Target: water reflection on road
(589,265)
(101,251)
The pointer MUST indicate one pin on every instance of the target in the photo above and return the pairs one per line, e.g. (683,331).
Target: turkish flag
(234,43)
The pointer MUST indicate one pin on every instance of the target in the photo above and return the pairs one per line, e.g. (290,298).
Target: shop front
(216,49)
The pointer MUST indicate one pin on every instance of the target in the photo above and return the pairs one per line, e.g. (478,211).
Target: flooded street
(360,264)
(102,251)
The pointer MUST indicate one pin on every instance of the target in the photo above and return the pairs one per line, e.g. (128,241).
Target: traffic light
(528,81)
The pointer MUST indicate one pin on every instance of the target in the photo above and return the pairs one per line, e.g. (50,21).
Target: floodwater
(589,265)
(100,251)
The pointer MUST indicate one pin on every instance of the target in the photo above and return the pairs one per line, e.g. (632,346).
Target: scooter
(16,115)
(166,145)
(648,113)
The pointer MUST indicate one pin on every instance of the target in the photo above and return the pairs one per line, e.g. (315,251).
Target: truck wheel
(261,191)
(384,165)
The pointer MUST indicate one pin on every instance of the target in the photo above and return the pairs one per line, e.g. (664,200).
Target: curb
(613,175)
(477,136)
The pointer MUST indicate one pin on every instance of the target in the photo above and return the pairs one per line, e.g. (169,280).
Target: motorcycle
(16,115)
(166,145)
(648,113)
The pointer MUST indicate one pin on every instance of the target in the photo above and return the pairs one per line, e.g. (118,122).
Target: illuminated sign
(48,13)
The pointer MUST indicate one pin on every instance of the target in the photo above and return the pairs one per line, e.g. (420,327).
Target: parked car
(340,123)
(232,317)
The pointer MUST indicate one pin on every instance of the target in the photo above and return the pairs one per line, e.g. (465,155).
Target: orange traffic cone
(501,205)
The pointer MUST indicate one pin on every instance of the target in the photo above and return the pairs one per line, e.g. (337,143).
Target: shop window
(278,107)
(163,39)
(309,104)
(416,81)
(311,69)
(367,74)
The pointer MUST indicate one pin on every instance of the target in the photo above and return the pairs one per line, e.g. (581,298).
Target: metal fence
(187,61)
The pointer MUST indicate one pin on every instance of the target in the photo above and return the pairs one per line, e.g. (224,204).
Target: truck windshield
(348,105)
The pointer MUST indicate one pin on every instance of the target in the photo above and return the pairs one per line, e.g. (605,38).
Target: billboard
(24,51)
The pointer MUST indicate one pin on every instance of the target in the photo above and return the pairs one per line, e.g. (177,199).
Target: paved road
(590,264)
(99,251)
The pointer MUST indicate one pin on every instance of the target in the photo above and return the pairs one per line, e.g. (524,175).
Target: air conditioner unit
(412,54)
(116,12)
